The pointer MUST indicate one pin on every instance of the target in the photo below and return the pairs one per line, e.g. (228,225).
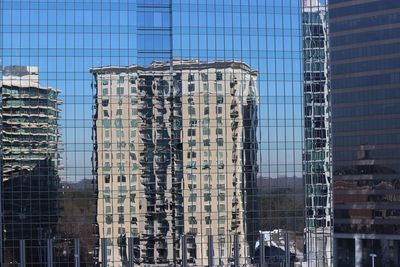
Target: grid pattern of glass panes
(317,135)
(152,132)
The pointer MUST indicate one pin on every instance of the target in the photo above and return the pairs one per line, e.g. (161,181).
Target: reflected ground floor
(354,250)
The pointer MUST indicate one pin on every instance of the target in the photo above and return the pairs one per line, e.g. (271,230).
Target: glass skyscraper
(365,80)
(317,135)
(179,138)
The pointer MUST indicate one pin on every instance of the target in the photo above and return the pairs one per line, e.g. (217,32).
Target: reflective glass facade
(364,49)
(30,160)
(317,135)
(152,132)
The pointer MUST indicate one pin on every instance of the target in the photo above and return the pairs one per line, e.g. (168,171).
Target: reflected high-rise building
(365,86)
(30,161)
(30,115)
(317,135)
(175,154)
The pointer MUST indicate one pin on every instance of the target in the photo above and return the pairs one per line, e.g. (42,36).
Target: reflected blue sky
(65,39)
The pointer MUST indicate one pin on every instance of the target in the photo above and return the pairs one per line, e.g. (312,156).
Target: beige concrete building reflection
(175,154)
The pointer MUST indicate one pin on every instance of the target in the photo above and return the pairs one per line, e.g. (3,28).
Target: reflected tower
(175,155)
(30,141)
(317,135)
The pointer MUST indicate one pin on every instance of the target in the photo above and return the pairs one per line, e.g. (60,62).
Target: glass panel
(132,123)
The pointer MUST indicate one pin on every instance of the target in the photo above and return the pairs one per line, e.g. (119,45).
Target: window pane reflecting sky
(65,39)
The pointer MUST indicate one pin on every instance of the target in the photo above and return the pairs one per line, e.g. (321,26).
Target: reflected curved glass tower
(317,135)
(30,161)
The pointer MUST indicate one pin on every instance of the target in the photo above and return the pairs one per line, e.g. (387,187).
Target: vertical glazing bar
(287,250)
(77,253)
(1,156)
(22,253)
(236,249)
(184,251)
(210,251)
(104,252)
(131,252)
(49,253)
(261,249)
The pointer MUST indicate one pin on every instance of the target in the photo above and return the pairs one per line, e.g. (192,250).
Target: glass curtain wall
(365,83)
(157,132)
(317,135)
